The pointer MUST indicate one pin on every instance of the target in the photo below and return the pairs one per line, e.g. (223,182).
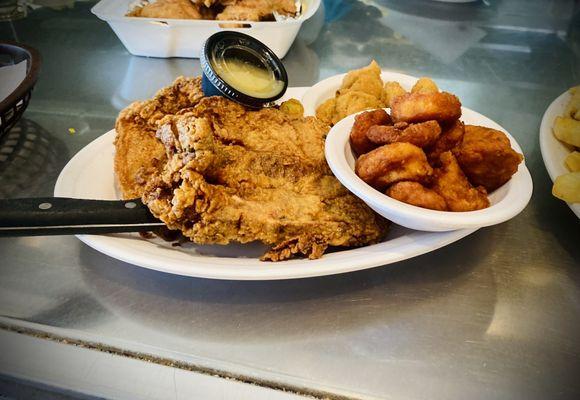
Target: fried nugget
(422,134)
(367,80)
(486,157)
(451,136)
(390,91)
(419,107)
(417,195)
(452,184)
(425,85)
(353,102)
(393,163)
(325,111)
(362,122)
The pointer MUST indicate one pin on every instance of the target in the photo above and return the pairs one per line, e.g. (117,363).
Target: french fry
(567,187)
(567,130)
(573,161)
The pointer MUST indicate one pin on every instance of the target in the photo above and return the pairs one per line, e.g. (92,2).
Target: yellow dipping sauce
(248,78)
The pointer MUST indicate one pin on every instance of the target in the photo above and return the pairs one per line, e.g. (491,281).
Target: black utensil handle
(58,215)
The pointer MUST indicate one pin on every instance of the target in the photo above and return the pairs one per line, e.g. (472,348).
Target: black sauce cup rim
(228,90)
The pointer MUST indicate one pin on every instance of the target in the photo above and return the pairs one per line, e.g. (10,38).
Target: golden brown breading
(173,9)
(390,91)
(362,122)
(239,175)
(255,10)
(451,136)
(352,102)
(393,163)
(325,111)
(486,157)
(450,182)
(420,106)
(417,195)
(423,134)
(138,153)
(366,79)
(361,89)
(424,85)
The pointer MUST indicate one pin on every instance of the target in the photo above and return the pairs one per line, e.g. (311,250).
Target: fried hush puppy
(415,194)
(366,79)
(424,85)
(390,91)
(353,102)
(392,163)
(450,182)
(361,89)
(486,157)
(359,141)
(421,106)
(423,134)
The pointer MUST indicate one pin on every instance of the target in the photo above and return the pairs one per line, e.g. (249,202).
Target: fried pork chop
(138,152)
(237,175)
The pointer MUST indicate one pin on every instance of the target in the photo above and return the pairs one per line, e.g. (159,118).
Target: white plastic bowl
(162,37)
(506,202)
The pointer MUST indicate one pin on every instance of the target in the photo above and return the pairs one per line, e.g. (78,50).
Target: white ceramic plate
(506,201)
(553,151)
(90,175)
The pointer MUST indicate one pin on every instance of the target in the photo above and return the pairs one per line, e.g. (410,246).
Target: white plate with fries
(555,152)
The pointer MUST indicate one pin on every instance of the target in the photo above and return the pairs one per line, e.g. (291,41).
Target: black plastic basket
(13,106)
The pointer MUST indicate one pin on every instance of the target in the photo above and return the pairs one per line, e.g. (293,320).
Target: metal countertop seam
(314,394)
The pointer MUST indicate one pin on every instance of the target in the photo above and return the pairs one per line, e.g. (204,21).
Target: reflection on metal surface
(227,312)
(28,154)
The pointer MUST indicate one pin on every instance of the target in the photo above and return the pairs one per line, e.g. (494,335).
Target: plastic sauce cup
(243,69)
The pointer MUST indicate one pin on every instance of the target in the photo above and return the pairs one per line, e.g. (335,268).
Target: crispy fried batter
(417,195)
(423,134)
(138,153)
(362,122)
(325,112)
(367,80)
(451,136)
(420,106)
(390,91)
(450,182)
(178,9)
(393,163)
(239,175)
(361,89)
(424,85)
(236,10)
(486,157)
(255,10)
(352,102)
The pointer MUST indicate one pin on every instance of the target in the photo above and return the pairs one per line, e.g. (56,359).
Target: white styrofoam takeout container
(162,37)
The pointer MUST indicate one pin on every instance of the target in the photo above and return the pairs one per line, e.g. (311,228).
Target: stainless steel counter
(496,315)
